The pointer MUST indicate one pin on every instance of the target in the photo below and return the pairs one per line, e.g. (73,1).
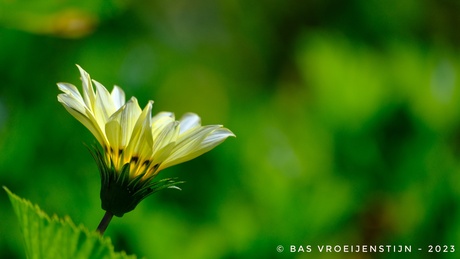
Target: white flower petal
(217,136)
(88,91)
(118,97)
(127,117)
(186,144)
(162,115)
(168,135)
(189,121)
(71,90)
(141,138)
(77,109)
(71,102)
(211,141)
(159,123)
(162,154)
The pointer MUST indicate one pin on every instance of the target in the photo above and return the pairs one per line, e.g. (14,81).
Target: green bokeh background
(347,118)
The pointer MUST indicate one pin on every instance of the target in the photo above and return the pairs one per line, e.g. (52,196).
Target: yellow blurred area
(68,23)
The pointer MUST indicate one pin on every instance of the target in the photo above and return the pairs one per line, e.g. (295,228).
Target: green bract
(119,193)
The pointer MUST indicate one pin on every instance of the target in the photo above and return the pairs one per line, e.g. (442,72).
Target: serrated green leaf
(52,237)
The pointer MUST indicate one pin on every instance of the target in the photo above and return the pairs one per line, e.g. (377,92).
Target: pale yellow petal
(83,115)
(118,97)
(71,97)
(211,141)
(160,121)
(161,115)
(168,135)
(127,117)
(186,144)
(104,107)
(199,146)
(141,136)
(189,121)
(114,134)
(161,155)
(88,91)
(72,91)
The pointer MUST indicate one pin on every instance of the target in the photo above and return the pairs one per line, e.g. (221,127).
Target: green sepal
(119,193)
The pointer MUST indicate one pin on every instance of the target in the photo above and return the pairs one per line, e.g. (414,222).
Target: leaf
(52,237)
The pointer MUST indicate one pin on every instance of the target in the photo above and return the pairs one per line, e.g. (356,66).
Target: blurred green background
(346,113)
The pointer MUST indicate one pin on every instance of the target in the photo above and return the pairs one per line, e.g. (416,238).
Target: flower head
(135,145)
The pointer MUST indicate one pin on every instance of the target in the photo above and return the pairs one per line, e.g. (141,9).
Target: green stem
(104,222)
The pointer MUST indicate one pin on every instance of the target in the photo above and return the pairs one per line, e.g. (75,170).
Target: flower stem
(104,222)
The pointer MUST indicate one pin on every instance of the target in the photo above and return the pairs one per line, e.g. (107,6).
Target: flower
(135,145)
